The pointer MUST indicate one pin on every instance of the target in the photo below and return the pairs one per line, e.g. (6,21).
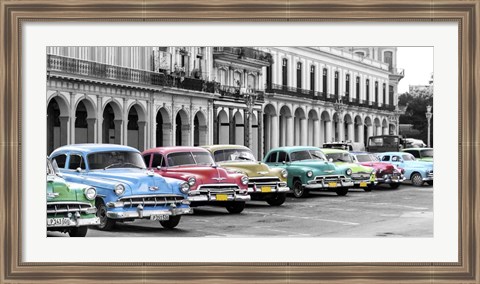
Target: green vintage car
(362,176)
(70,206)
(308,169)
(264,183)
(421,154)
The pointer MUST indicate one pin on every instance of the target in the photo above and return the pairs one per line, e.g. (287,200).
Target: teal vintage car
(308,169)
(421,154)
(70,206)
(362,176)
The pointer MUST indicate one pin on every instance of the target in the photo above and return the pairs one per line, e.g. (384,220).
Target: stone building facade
(259,97)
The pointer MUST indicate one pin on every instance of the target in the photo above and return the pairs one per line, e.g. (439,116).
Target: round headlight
(184,188)
(284,173)
(90,193)
(309,174)
(119,189)
(348,172)
(192,181)
(244,180)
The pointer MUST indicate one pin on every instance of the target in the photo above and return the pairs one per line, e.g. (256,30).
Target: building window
(376,92)
(299,75)
(324,89)
(388,58)
(367,90)
(390,94)
(347,86)
(284,71)
(384,94)
(336,84)
(357,87)
(312,78)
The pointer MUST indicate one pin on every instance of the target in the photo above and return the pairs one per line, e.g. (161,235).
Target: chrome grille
(217,188)
(67,207)
(360,176)
(272,181)
(320,179)
(150,200)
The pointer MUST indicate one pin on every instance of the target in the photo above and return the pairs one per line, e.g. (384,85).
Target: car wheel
(106,224)
(430,182)
(416,179)
(298,190)
(78,232)
(235,207)
(394,185)
(171,223)
(342,191)
(277,199)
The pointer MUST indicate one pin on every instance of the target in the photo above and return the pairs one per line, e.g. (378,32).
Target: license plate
(159,217)
(332,184)
(58,222)
(363,184)
(222,197)
(266,189)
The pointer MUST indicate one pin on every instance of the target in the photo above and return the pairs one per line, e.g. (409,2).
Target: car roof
(94,147)
(223,147)
(175,149)
(333,150)
(393,153)
(295,148)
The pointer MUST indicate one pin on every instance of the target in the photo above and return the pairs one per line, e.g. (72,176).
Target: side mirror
(78,170)
(284,162)
(330,160)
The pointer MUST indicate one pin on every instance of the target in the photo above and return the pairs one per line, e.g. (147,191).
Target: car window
(219,156)
(158,161)
(180,159)
(115,159)
(272,158)
(395,158)
(300,155)
(283,157)
(60,160)
(386,158)
(408,157)
(414,153)
(203,158)
(340,157)
(317,155)
(427,153)
(237,155)
(76,161)
(364,158)
(146,159)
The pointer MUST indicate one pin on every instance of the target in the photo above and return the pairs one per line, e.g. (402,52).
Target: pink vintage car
(386,173)
(209,184)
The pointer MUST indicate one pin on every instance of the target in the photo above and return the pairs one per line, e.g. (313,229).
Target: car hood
(416,164)
(139,181)
(251,169)
(322,166)
(58,190)
(379,166)
(203,174)
(356,168)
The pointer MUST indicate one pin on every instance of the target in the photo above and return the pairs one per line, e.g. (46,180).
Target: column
(64,130)
(316,133)
(329,131)
(167,134)
(279,64)
(141,135)
(291,71)
(290,130)
(385,130)
(369,131)
(231,128)
(124,141)
(282,129)
(247,141)
(118,131)
(72,121)
(351,132)
(360,133)
(318,73)
(100,120)
(267,133)
(91,130)
(274,136)
(215,125)
(304,132)
(341,129)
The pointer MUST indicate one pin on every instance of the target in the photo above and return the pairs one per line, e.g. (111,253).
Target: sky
(418,65)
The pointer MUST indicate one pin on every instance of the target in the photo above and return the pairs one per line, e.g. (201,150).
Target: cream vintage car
(264,183)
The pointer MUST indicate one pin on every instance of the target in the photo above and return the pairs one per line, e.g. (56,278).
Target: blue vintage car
(416,171)
(126,190)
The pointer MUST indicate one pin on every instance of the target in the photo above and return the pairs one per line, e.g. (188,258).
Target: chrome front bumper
(313,184)
(212,196)
(140,212)
(72,222)
(390,179)
(282,187)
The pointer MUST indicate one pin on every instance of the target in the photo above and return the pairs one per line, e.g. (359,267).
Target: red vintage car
(386,173)
(209,184)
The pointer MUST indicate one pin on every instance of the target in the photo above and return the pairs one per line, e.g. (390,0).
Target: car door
(271,159)
(76,169)
(282,160)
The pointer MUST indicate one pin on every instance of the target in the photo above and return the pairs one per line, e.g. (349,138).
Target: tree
(416,103)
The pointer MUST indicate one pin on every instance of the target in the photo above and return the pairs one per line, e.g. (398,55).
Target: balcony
(242,55)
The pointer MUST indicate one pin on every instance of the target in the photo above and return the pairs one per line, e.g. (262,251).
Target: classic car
(415,171)
(70,207)
(386,173)
(209,184)
(421,154)
(308,169)
(126,190)
(362,176)
(265,183)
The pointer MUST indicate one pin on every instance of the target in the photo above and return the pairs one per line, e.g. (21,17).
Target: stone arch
(377,126)
(270,127)
(385,126)
(199,129)
(182,128)
(313,128)
(239,126)
(163,128)
(57,122)
(300,127)
(337,122)
(285,124)
(358,129)
(85,120)
(112,122)
(348,127)
(136,122)
(326,127)
(223,127)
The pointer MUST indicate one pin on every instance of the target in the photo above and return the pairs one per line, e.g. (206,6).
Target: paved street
(404,212)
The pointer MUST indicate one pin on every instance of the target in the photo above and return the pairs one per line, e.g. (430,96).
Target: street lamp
(428,114)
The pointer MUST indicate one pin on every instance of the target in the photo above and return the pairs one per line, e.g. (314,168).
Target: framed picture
(41,36)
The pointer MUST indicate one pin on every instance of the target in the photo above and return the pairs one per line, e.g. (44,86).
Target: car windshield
(52,168)
(426,153)
(362,158)
(340,157)
(189,158)
(318,155)
(234,155)
(115,159)
(408,157)
(300,155)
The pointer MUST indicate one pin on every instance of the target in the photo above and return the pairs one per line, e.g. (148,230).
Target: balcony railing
(243,52)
